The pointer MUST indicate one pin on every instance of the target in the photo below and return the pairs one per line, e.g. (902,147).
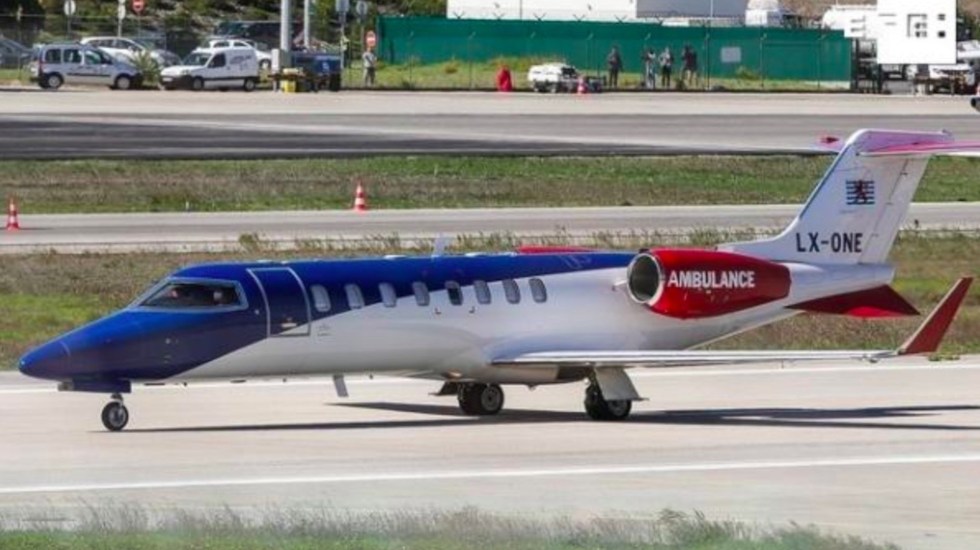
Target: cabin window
(179,295)
(321,298)
(388,295)
(538,291)
(421,293)
(455,293)
(482,292)
(354,297)
(512,291)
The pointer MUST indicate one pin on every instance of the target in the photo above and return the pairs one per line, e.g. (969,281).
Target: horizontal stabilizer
(925,149)
(874,303)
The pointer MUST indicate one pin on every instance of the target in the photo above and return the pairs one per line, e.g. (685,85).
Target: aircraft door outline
(287,306)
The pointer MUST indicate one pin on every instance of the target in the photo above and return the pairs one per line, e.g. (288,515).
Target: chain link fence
(438,53)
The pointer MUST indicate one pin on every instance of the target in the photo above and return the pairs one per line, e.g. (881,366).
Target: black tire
(115,416)
(53,81)
(249,85)
(481,399)
(598,408)
(197,84)
(265,65)
(123,82)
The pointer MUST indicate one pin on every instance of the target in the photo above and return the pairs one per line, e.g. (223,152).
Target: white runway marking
(495,474)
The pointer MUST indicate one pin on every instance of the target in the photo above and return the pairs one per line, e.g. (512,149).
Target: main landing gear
(115,415)
(480,399)
(598,408)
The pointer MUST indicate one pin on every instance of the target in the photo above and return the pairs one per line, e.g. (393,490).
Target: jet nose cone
(49,361)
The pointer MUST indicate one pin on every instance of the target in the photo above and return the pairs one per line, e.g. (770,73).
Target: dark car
(13,54)
(322,70)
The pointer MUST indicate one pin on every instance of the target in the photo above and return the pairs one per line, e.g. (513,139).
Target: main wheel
(123,82)
(481,399)
(197,84)
(598,408)
(115,416)
(53,81)
(249,84)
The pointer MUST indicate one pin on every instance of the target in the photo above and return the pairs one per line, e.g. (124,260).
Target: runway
(68,124)
(73,233)
(886,451)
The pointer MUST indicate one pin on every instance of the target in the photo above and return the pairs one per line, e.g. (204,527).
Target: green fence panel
(768,53)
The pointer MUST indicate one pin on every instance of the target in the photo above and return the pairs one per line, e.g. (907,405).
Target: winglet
(930,334)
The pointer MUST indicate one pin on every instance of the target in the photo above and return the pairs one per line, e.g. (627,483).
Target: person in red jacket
(504,81)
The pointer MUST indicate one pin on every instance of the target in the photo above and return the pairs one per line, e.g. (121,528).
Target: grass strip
(463,529)
(44,295)
(84,186)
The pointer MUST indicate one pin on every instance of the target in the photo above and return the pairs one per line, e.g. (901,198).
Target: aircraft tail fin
(855,211)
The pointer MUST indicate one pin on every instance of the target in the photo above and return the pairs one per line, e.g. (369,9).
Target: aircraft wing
(925,339)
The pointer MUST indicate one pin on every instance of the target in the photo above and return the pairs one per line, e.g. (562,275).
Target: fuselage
(446,317)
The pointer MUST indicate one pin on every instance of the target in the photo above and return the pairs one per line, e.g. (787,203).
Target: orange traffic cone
(360,200)
(582,88)
(13,220)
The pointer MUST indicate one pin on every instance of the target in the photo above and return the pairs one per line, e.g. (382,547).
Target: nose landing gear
(115,415)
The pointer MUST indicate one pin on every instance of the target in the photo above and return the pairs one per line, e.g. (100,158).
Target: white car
(261,52)
(214,68)
(57,64)
(553,77)
(128,49)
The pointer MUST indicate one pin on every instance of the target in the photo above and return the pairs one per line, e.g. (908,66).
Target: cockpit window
(194,295)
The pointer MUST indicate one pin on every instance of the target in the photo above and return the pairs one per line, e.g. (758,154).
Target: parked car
(265,33)
(57,64)
(214,68)
(128,49)
(953,79)
(553,77)
(261,51)
(13,54)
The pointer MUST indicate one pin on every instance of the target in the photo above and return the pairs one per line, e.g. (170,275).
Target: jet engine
(692,284)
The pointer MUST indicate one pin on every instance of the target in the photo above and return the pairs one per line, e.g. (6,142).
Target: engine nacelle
(691,284)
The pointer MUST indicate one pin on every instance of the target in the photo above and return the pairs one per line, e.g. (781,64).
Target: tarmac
(177,232)
(38,124)
(889,451)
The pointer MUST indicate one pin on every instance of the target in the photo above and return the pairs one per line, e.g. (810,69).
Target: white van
(57,64)
(214,68)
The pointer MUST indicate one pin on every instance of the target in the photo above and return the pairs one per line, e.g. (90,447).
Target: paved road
(80,124)
(217,231)
(890,451)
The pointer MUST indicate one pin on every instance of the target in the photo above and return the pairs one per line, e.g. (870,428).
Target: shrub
(745,73)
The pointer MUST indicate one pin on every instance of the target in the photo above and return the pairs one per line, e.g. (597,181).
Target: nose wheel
(480,399)
(115,415)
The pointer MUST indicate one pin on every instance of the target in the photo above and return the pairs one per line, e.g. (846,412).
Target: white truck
(214,68)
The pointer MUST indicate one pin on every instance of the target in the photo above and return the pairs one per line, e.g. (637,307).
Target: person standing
(649,60)
(666,66)
(690,75)
(615,64)
(370,62)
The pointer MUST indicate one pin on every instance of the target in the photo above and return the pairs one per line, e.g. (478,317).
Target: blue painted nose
(49,361)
